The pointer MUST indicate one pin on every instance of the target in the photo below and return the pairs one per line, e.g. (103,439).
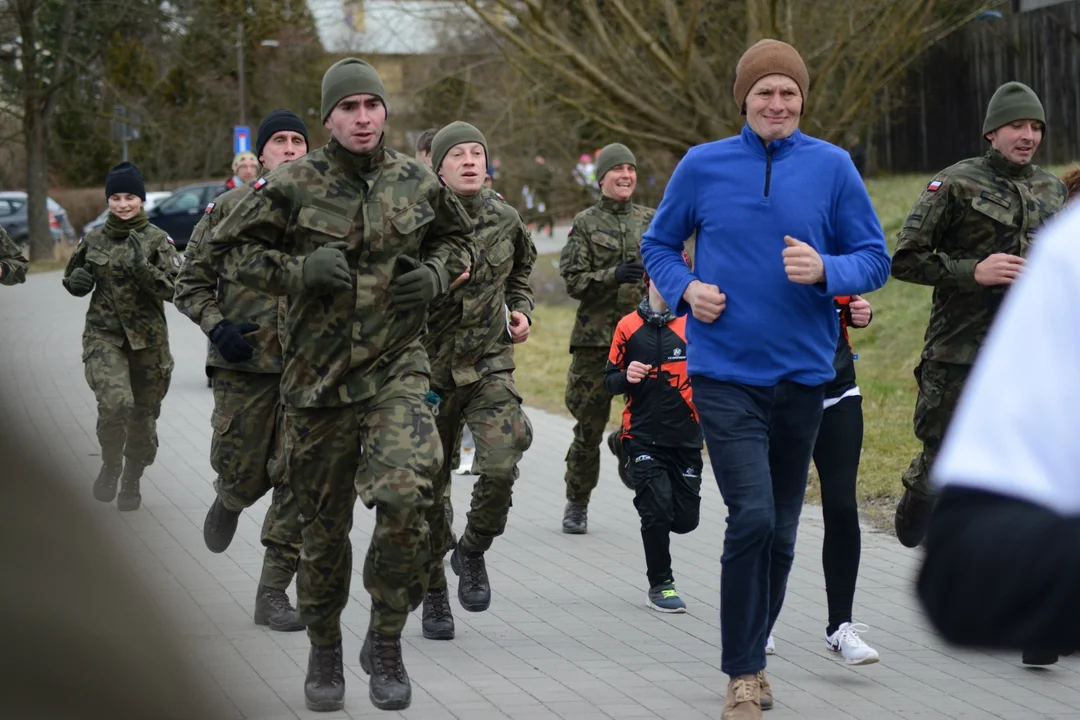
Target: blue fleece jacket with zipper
(741,199)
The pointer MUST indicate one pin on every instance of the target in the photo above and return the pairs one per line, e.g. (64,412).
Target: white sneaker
(466,463)
(770,646)
(847,642)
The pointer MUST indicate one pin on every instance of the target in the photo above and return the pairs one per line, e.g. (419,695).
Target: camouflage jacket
(602,238)
(128,301)
(467,336)
(968,212)
(382,205)
(13,263)
(208,298)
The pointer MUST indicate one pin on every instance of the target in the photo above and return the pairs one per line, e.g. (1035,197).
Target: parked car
(13,218)
(180,212)
(152,200)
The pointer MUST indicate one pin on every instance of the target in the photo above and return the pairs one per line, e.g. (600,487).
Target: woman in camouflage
(130,266)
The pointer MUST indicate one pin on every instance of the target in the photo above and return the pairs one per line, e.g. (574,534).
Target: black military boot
(108,476)
(389,688)
(1039,657)
(130,498)
(438,620)
(272,608)
(575,519)
(324,688)
(219,527)
(474,590)
(615,445)
(912,517)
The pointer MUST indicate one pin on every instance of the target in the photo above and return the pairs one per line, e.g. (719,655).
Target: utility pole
(240,68)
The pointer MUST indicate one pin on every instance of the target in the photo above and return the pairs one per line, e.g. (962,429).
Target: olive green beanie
(610,156)
(351,76)
(1011,102)
(453,134)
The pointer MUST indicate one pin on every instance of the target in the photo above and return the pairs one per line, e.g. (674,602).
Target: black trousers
(667,495)
(836,457)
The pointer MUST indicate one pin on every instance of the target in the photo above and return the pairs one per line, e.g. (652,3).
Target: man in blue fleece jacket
(783,225)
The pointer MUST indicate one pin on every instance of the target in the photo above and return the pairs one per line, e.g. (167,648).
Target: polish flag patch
(259,183)
(934,186)
(209,207)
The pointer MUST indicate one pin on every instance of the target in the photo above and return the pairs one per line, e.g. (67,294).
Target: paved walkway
(567,635)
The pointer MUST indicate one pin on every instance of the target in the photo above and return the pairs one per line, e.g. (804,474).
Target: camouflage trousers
(501,434)
(245,452)
(129,386)
(590,404)
(383,450)
(940,385)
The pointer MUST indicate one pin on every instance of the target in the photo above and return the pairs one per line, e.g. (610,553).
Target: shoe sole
(574,531)
(264,621)
(128,506)
(668,611)
(766,704)
(392,705)
(770,651)
(865,661)
(446,635)
(325,705)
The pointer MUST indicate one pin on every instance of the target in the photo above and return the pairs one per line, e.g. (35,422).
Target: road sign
(241,139)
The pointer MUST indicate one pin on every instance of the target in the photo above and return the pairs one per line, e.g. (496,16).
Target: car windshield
(10,206)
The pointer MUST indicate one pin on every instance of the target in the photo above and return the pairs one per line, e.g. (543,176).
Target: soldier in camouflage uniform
(130,265)
(601,264)
(13,263)
(469,340)
(246,375)
(360,239)
(967,236)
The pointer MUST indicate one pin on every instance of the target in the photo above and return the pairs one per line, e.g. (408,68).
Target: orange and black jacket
(844,360)
(659,409)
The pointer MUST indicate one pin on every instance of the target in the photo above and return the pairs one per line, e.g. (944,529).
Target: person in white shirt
(1002,564)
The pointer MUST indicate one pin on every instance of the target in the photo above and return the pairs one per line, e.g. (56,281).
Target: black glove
(327,269)
(630,272)
(415,284)
(229,339)
(80,282)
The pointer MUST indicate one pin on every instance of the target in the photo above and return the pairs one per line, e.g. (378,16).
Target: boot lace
(472,568)
(279,600)
(386,654)
(328,662)
(746,690)
(438,604)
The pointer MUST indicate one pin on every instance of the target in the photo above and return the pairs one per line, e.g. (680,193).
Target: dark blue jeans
(760,440)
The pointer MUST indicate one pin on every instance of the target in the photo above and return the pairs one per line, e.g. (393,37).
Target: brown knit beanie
(768,57)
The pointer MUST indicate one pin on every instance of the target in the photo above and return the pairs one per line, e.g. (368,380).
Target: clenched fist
(802,263)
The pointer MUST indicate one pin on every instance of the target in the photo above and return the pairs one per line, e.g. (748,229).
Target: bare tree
(660,72)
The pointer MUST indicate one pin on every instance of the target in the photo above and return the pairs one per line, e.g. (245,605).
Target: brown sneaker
(766,691)
(743,699)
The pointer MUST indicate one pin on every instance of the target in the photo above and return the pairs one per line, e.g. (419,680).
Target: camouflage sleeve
(164,264)
(77,260)
(448,246)
(248,245)
(519,294)
(919,257)
(13,263)
(196,283)
(575,266)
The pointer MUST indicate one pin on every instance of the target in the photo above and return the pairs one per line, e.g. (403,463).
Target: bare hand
(461,278)
(999,269)
(860,311)
(706,301)
(519,327)
(802,263)
(636,371)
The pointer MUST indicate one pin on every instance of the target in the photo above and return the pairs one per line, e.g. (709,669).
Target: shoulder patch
(259,183)
(171,241)
(499,195)
(209,207)
(934,186)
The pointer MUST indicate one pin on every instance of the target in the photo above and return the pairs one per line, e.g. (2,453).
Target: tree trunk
(42,246)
